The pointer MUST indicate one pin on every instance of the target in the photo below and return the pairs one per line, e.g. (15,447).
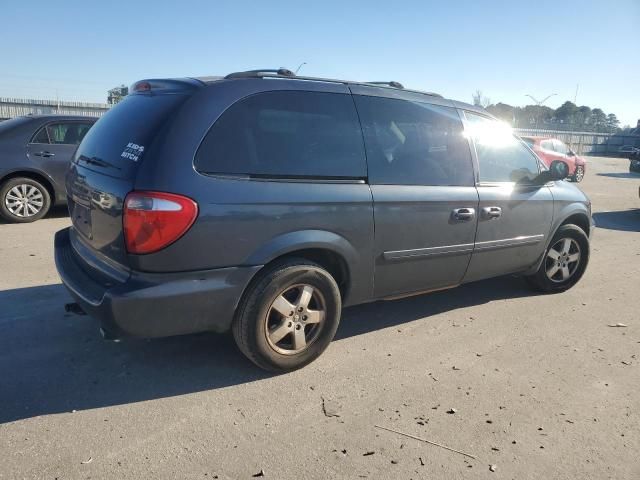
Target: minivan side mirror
(558,170)
(571,153)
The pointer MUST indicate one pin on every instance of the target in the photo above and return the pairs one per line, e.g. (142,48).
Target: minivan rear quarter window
(286,134)
(414,143)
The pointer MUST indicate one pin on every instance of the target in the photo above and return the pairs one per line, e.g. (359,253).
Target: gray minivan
(264,203)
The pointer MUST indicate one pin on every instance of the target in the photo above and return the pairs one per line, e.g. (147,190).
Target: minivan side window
(414,143)
(502,157)
(286,134)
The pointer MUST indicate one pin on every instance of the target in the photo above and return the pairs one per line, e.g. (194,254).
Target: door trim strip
(429,252)
(520,241)
(509,242)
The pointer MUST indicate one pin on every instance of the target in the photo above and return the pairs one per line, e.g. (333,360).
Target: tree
(598,119)
(503,112)
(115,95)
(582,116)
(479,100)
(612,122)
(567,112)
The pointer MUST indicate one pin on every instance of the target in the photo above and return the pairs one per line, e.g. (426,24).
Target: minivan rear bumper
(153,304)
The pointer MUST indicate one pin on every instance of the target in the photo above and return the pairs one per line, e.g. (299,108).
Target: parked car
(550,149)
(633,154)
(263,203)
(35,152)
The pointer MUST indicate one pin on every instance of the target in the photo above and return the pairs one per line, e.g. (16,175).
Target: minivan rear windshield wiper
(97,161)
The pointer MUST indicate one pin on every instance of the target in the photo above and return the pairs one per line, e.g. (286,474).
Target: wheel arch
(573,214)
(41,177)
(329,250)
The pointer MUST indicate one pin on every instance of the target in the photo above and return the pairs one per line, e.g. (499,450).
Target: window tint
(286,133)
(67,133)
(41,136)
(116,144)
(414,143)
(501,156)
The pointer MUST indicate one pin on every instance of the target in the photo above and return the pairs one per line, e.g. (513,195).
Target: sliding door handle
(491,212)
(463,214)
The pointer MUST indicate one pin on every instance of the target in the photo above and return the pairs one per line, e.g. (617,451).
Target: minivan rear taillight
(154,220)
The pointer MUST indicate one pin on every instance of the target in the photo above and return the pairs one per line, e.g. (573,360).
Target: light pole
(539,103)
(299,67)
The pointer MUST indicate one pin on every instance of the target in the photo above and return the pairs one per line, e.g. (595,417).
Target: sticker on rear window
(133,151)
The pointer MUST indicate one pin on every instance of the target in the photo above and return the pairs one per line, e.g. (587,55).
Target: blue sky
(77,50)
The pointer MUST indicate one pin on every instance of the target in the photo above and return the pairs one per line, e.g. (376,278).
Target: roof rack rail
(286,73)
(261,72)
(392,83)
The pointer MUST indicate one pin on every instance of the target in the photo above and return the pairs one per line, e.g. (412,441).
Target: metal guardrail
(586,143)
(15,107)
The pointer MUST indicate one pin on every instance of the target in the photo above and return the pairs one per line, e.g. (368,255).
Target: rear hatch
(104,168)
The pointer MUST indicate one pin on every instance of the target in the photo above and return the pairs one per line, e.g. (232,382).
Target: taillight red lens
(154,220)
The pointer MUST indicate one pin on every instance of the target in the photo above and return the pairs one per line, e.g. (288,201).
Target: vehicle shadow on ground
(620,175)
(53,362)
(622,220)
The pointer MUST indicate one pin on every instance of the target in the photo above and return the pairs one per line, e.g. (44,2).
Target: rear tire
(288,315)
(578,175)
(565,261)
(23,200)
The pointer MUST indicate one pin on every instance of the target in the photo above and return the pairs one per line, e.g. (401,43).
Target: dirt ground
(540,387)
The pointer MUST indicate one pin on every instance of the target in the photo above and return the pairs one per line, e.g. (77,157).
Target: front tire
(23,200)
(565,261)
(288,316)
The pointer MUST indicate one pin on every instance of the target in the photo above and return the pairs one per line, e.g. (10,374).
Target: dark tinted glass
(115,145)
(41,136)
(67,133)
(413,143)
(286,133)
(501,156)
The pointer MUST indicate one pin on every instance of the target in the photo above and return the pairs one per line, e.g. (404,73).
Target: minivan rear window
(115,145)
(286,134)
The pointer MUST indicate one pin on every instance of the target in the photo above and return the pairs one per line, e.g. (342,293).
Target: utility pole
(575,97)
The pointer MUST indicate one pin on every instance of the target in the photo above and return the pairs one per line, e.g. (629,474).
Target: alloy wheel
(579,175)
(562,260)
(295,319)
(24,200)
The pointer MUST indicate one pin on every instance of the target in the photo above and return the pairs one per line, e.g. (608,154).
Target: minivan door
(515,214)
(422,181)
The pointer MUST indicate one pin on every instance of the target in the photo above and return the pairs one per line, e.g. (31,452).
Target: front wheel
(23,200)
(565,261)
(288,316)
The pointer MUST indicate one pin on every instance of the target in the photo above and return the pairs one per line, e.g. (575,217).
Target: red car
(550,149)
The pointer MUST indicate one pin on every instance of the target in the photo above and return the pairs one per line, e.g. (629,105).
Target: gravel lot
(542,387)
